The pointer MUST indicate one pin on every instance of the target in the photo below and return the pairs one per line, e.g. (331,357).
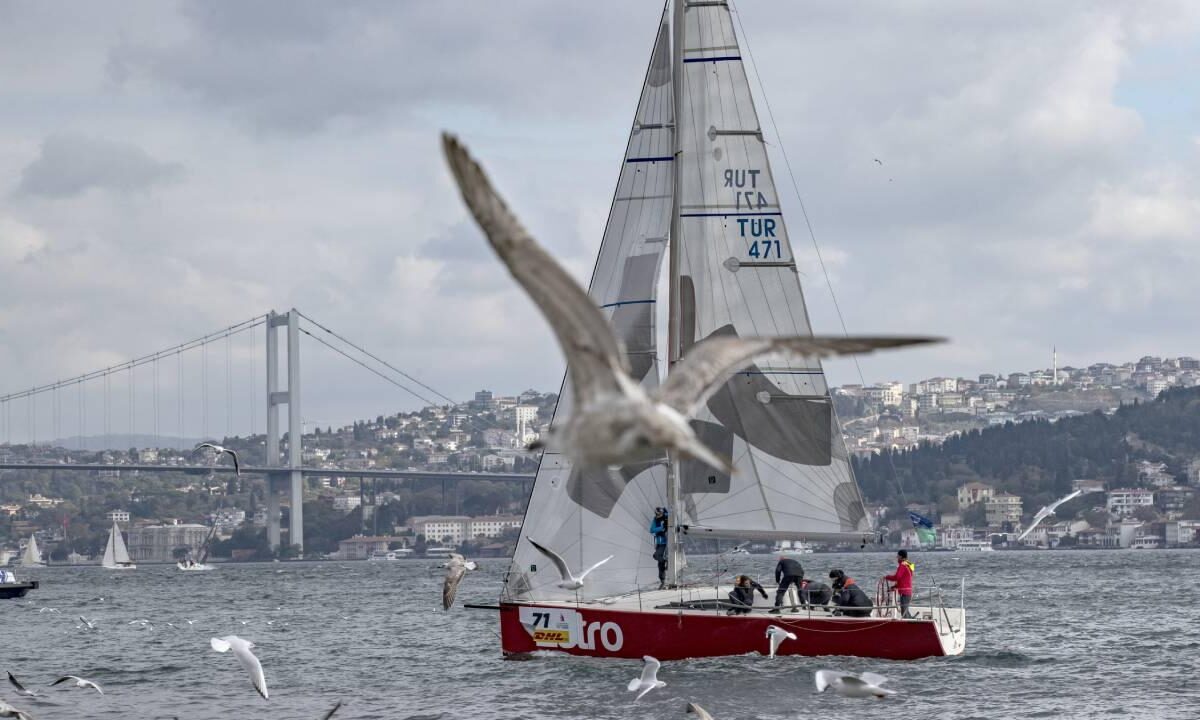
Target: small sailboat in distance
(116,556)
(190,565)
(32,557)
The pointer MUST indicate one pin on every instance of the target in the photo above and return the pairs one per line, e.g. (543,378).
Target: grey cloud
(72,164)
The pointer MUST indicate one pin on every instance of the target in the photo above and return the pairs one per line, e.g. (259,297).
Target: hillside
(1038,460)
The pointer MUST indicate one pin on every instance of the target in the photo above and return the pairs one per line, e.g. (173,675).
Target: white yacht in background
(116,556)
(793,547)
(32,557)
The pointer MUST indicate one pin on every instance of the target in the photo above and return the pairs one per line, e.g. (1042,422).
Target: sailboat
(696,194)
(116,557)
(32,556)
(190,565)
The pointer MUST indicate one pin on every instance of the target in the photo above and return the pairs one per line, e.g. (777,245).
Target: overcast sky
(170,168)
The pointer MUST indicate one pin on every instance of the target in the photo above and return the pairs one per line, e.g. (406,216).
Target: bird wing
(251,665)
(634,684)
(237,468)
(584,574)
(209,445)
(712,361)
(648,689)
(825,678)
(873,678)
(1054,505)
(454,575)
(851,681)
(458,558)
(775,640)
(65,678)
(701,713)
(1037,519)
(13,681)
(329,714)
(555,558)
(220,644)
(90,684)
(594,354)
(650,669)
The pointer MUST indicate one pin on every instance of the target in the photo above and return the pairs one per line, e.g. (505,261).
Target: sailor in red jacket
(902,581)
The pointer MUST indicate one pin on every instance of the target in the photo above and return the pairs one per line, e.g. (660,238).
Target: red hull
(673,636)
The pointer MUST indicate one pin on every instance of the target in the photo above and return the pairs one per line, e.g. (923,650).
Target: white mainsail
(32,555)
(587,516)
(115,553)
(738,276)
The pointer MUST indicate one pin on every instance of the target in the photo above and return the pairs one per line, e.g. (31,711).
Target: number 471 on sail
(763,248)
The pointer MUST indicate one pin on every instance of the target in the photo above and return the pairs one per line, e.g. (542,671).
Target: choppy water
(1050,634)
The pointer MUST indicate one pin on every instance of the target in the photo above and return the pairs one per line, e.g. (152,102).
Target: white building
(159,543)
(1124,501)
(490,526)
(972,493)
(1003,508)
(117,516)
(346,503)
(442,528)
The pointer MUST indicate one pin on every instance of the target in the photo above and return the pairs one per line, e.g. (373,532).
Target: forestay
(738,276)
(588,515)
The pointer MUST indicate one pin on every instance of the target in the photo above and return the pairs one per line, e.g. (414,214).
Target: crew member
(815,592)
(742,597)
(848,596)
(787,572)
(658,529)
(902,581)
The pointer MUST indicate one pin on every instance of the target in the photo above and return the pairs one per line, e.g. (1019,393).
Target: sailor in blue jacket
(658,529)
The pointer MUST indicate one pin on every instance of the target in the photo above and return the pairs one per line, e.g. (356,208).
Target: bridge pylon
(288,478)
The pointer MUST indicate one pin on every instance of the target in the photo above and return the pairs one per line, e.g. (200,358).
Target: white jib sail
(585,516)
(115,553)
(32,556)
(738,276)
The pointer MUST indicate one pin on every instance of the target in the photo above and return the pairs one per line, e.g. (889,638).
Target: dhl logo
(551,636)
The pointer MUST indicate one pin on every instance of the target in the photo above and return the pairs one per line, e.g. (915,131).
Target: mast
(673,311)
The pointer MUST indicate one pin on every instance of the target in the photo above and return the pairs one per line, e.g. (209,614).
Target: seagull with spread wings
(19,689)
(569,581)
(851,685)
(1046,512)
(615,421)
(78,682)
(456,567)
(648,680)
(220,450)
(241,650)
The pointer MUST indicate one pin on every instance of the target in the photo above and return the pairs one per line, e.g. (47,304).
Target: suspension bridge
(152,398)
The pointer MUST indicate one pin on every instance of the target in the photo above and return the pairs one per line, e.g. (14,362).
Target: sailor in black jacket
(787,572)
(742,597)
(848,596)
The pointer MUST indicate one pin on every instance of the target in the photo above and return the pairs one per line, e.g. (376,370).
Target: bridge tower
(288,478)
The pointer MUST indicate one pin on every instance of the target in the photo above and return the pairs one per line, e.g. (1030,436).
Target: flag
(924,527)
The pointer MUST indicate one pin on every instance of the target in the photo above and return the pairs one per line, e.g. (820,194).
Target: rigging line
(807,221)
(360,363)
(380,361)
(228,386)
(189,345)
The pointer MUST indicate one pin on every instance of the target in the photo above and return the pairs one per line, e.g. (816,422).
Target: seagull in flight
(78,682)
(8,711)
(84,622)
(1046,512)
(456,567)
(334,709)
(648,679)
(701,713)
(19,688)
(219,450)
(241,650)
(615,421)
(777,635)
(569,581)
(879,161)
(855,686)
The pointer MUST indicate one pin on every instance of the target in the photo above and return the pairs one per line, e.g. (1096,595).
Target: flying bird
(241,650)
(615,421)
(855,686)
(569,581)
(8,711)
(1046,512)
(879,161)
(219,450)
(84,622)
(777,635)
(456,567)
(701,713)
(19,688)
(648,679)
(78,682)
(329,714)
